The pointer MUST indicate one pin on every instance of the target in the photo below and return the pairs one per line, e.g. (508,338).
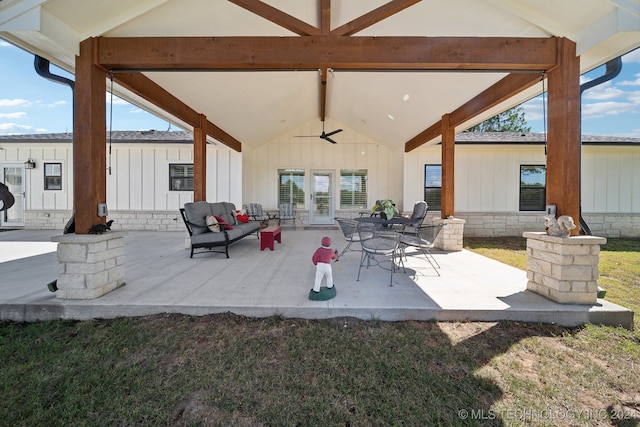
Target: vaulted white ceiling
(256,107)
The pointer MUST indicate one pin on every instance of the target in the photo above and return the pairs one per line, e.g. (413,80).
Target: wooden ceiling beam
(325,17)
(504,89)
(316,52)
(144,87)
(373,17)
(278,17)
(489,98)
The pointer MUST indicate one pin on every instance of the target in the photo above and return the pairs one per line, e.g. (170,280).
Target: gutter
(613,68)
(41,66)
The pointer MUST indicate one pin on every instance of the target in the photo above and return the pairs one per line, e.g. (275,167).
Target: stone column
(563,269)
(450,238)
(89,265)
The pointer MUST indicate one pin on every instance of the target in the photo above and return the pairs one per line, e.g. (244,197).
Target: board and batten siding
(353,151)
(487,177)
(611,179)
(139,179)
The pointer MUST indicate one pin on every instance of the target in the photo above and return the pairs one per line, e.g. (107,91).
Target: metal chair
(287,212)
(255,213)
(378,242)
(349,228)
(422,239)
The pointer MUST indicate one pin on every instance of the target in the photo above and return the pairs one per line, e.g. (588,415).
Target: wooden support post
(200,160)
(448,161)
(563,138)
(90,138)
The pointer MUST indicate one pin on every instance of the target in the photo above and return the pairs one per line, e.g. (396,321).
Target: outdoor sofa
(195,215)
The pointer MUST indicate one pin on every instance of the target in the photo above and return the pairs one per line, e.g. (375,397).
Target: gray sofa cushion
(222,210)
(196,214)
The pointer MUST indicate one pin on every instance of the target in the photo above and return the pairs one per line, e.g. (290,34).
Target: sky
(31,104)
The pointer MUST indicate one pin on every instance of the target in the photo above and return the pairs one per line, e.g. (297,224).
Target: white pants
(323,269)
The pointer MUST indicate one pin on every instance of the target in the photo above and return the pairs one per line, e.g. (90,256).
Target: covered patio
(160,278)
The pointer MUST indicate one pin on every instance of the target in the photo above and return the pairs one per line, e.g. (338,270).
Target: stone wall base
(450,238)
(477,224)
(563,269)
(89,265)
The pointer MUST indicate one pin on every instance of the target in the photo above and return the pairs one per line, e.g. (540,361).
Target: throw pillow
(243,218)
(212,223)
(222,222)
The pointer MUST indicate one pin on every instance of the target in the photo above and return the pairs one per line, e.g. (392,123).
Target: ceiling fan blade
(307,136)
(334,132)
(326,138)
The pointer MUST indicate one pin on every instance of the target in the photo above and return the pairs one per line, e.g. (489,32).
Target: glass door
(13,177)
(322,206)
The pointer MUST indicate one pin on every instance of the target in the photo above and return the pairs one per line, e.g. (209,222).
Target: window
(353,189)
(433,186)
(291,186)
(53,176)
(533,188)
(181,177)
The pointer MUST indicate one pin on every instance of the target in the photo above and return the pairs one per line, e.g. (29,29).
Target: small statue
(560,227)
(322,258)
(101,228)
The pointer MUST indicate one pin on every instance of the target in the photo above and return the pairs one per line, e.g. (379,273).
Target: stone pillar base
(563,269)
(89,265)
(450,238)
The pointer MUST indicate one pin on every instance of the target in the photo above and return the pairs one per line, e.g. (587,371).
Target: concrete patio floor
(161,278)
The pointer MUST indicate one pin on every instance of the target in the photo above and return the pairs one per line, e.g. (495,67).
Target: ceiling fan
(323,135)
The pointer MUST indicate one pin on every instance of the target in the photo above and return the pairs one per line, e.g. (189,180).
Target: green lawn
(233,370)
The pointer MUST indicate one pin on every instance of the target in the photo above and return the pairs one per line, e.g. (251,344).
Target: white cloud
(632,57)
(16,115)
(14,128)
(54,104)
(533,109)
(14,103)
(635,82)
(603,92)
(603,109)
(5,44)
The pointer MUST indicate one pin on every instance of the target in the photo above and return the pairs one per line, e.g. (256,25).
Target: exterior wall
(487,187)
(353,151)
(138,196)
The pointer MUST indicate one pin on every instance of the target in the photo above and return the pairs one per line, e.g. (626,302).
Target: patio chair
(287,212)
(349,228)
(378,242)
(255,213)
(421,239)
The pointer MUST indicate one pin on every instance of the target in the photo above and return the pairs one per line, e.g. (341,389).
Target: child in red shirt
(322,260)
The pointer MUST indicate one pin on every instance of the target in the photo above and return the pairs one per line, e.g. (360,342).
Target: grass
(232,370)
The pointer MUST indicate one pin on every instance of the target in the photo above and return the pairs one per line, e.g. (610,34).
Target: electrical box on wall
(102,209)
(551,210)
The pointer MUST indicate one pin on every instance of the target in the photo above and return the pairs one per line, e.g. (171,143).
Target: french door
(322,199)
(12,175)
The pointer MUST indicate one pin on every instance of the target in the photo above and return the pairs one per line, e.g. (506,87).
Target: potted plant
(387,207)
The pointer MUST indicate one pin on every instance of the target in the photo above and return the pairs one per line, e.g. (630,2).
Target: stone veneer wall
(123,220)
(564,269)
(477,224)
(89,265)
